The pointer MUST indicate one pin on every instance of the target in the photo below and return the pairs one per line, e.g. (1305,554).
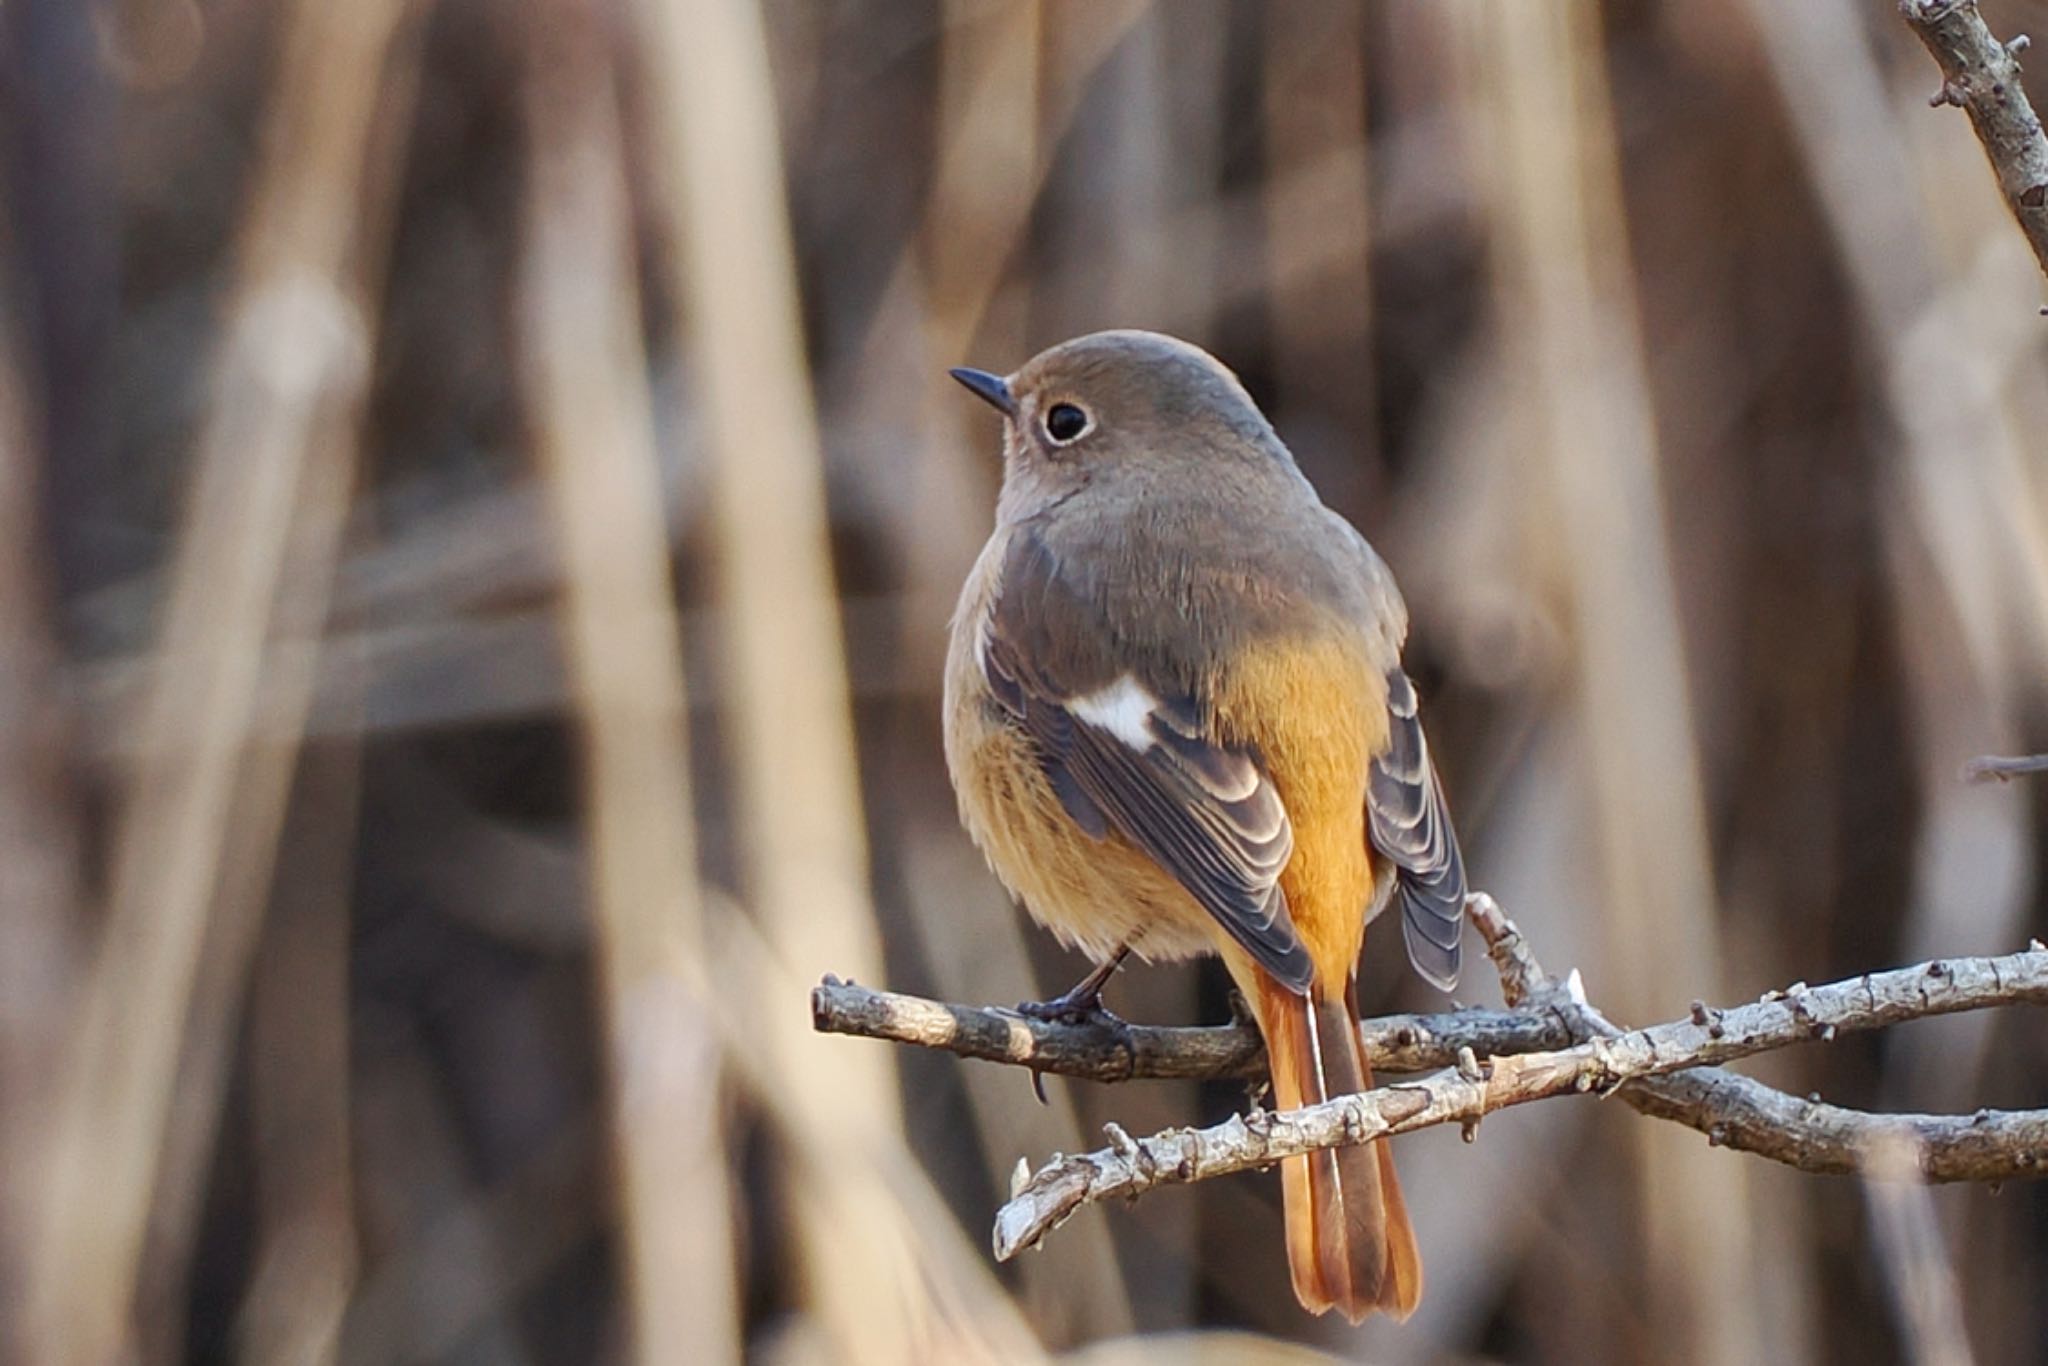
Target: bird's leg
(1083,1001)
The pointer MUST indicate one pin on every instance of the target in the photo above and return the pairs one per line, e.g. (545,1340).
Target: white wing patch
(1123,708)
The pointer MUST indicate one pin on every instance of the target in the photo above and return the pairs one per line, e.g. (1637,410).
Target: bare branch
(1738,1112)
(1522,979)
(1552,1042)
(2004,768)
(1605,1063)
(1108,1049)
(1982,76)
(1733,1111)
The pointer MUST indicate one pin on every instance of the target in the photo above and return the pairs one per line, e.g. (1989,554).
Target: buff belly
(1095,895)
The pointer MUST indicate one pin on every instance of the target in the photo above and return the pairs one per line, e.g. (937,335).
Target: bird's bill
(993,390)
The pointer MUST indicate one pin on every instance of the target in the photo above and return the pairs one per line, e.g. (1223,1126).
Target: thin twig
(1981,75)
(1744,1115)
(2018,1145)
(1666,1072)
(2004,768)
(1919,1272)
(1108,1049)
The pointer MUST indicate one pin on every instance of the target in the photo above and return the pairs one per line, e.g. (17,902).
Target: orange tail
(1349,1244)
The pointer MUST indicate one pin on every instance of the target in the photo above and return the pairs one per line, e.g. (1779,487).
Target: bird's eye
(1064,422)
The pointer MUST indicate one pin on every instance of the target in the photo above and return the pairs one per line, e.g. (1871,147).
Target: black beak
(990,389)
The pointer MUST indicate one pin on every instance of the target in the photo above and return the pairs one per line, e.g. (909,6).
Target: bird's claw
(1070,1008)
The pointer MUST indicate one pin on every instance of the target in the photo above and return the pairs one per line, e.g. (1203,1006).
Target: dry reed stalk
(1242,274)
(1318,232)
(1962,518)
(1984,537)
(1965,537)
(38,844)
(1011,81)
(1979,316)
(299,1082)
(595,436)
(797,788)
(974,941)
(474,670)
(1456,530)
(272,735)
(1567,298)
(276,727)
(287,385)
(446,1259)
(477,547)
(943,1302)
(935,483)
(1987,278)
(991,162)
(1918,1273)
(803,834)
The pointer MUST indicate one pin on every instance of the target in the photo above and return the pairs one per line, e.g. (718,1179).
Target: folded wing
(1130,754)
(1411,826)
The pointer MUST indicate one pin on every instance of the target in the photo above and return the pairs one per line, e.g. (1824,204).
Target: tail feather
(1349,1244)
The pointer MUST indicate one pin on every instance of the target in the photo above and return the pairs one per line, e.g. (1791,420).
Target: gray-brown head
(1127,406)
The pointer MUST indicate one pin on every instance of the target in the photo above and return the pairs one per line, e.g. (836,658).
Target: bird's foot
(1082,1002)
(1071,1008)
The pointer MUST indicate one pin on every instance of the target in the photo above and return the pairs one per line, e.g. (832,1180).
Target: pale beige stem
(1568,301)
(1966,542)
(299,1082)
(1318,231)
(797,795)
(586,364)
(39,870)
(287,382)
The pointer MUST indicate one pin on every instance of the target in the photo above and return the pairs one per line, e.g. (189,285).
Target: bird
(1177,723)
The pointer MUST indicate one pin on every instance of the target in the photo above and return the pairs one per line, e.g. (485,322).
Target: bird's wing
(1127,751)
(1407,818)
(1411,826)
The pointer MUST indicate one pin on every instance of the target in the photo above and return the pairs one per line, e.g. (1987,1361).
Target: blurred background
(480,502)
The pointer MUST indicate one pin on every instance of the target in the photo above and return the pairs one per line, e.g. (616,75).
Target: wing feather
(1132,755)
(1411,826)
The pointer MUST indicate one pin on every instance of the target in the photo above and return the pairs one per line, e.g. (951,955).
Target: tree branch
(1982,76)
(1737,1112)
(1986,1146)
(1108,1049)
(1550,1042)
(2004,768)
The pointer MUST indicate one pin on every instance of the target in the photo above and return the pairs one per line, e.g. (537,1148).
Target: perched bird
(1177,724)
